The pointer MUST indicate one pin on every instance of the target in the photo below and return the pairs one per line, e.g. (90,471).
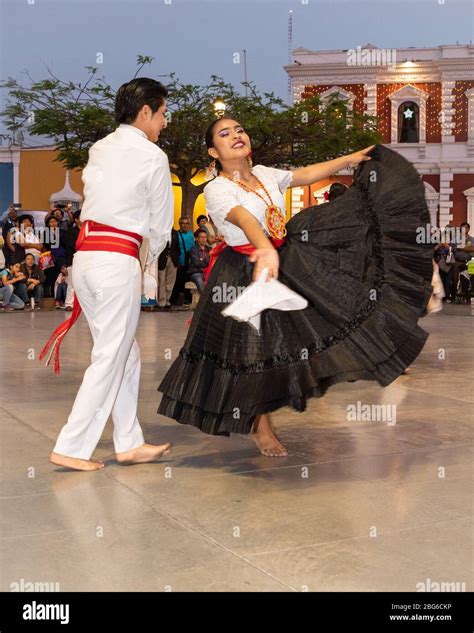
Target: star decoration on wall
(408,114)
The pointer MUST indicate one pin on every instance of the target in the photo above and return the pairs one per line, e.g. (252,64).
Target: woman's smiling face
(230,141)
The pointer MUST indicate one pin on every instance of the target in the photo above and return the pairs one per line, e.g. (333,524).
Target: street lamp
(219,108)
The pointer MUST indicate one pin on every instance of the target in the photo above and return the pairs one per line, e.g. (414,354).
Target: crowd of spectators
(36,262)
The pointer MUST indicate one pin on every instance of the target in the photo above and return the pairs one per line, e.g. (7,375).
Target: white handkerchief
(263,295)
(149,286)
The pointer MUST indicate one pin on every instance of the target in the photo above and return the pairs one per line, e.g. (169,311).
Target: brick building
(423,99)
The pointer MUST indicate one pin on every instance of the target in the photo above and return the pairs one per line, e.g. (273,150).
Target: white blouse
(222,195)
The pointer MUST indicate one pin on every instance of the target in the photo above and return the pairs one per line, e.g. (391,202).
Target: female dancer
(356,261)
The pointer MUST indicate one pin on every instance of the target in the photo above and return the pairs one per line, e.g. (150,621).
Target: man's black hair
(132,96)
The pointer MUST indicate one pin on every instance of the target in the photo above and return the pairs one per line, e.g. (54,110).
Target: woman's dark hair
(336,190)
(201,217)
(209,139)
(132,96)
(26,216)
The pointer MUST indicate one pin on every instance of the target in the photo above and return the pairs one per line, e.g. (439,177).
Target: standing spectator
(11,278)
(55,243)
(71,238)
(210,228)
(58,211)
(186,242)
(199,259)
(168,263)
(29,239)
(34,278)
(60,288)
(9,229)
(201,221)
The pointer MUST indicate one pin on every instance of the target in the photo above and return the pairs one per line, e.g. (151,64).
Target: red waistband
(245,249)
(92,237)
(101,237)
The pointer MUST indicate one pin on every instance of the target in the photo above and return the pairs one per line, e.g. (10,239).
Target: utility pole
(290,51)
(245,72)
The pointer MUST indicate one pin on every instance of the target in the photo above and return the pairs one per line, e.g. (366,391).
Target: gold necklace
(273,215)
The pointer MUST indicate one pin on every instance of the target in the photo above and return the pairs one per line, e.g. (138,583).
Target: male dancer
(128,197)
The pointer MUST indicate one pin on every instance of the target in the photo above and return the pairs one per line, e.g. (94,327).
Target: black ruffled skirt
(367,281)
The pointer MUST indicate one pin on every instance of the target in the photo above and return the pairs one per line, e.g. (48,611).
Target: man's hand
(265,258)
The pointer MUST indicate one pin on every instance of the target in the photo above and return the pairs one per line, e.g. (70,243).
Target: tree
(76,115)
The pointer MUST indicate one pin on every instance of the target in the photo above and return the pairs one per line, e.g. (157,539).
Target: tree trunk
(190,194)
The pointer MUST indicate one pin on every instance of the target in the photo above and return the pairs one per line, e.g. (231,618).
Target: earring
(211,171)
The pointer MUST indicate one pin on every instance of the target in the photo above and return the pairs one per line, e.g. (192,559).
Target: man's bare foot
(143,454)
(265,439)
(75,463)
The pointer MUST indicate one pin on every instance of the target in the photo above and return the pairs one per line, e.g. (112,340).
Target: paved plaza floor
(357,505)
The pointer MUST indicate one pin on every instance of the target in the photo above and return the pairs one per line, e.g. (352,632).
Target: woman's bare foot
(143,454)
(75,463)
(265,439)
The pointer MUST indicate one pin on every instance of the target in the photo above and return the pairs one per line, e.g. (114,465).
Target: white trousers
(108,286)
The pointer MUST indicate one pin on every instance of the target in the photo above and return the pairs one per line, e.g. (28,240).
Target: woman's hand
(265,258)
(359,157)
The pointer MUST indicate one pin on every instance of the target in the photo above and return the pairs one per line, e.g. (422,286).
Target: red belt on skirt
(92,237)
(245,249)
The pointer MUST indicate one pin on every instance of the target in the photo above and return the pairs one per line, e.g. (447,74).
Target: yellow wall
(41,176)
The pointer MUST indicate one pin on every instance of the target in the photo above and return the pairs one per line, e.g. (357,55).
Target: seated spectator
(34,278)
(11,277)
(199,259)
(60,289)
(462,254)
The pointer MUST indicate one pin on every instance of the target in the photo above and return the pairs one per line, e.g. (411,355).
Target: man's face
(12,213)
(153,122)
(184,226)
(202,239)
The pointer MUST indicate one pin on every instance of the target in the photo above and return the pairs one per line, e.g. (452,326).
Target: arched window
(408,122)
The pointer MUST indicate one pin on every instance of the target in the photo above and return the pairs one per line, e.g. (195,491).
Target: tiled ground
(357,506)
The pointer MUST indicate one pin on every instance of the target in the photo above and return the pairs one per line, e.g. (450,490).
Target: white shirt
(222,195)
(127,185)
(30,237)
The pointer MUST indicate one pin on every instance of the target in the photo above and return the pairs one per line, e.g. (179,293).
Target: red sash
(92,237)
(245,249)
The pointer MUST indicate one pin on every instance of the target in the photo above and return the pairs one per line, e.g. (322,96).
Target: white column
(469,193)
(445,204)
(370,99)
(447,111)
(15,155)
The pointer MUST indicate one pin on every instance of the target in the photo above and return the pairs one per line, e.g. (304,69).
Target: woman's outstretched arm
(313,173)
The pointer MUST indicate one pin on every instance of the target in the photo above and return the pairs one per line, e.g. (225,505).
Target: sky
(199,38)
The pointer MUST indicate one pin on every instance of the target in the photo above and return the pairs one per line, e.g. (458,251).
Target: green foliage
(76,115)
